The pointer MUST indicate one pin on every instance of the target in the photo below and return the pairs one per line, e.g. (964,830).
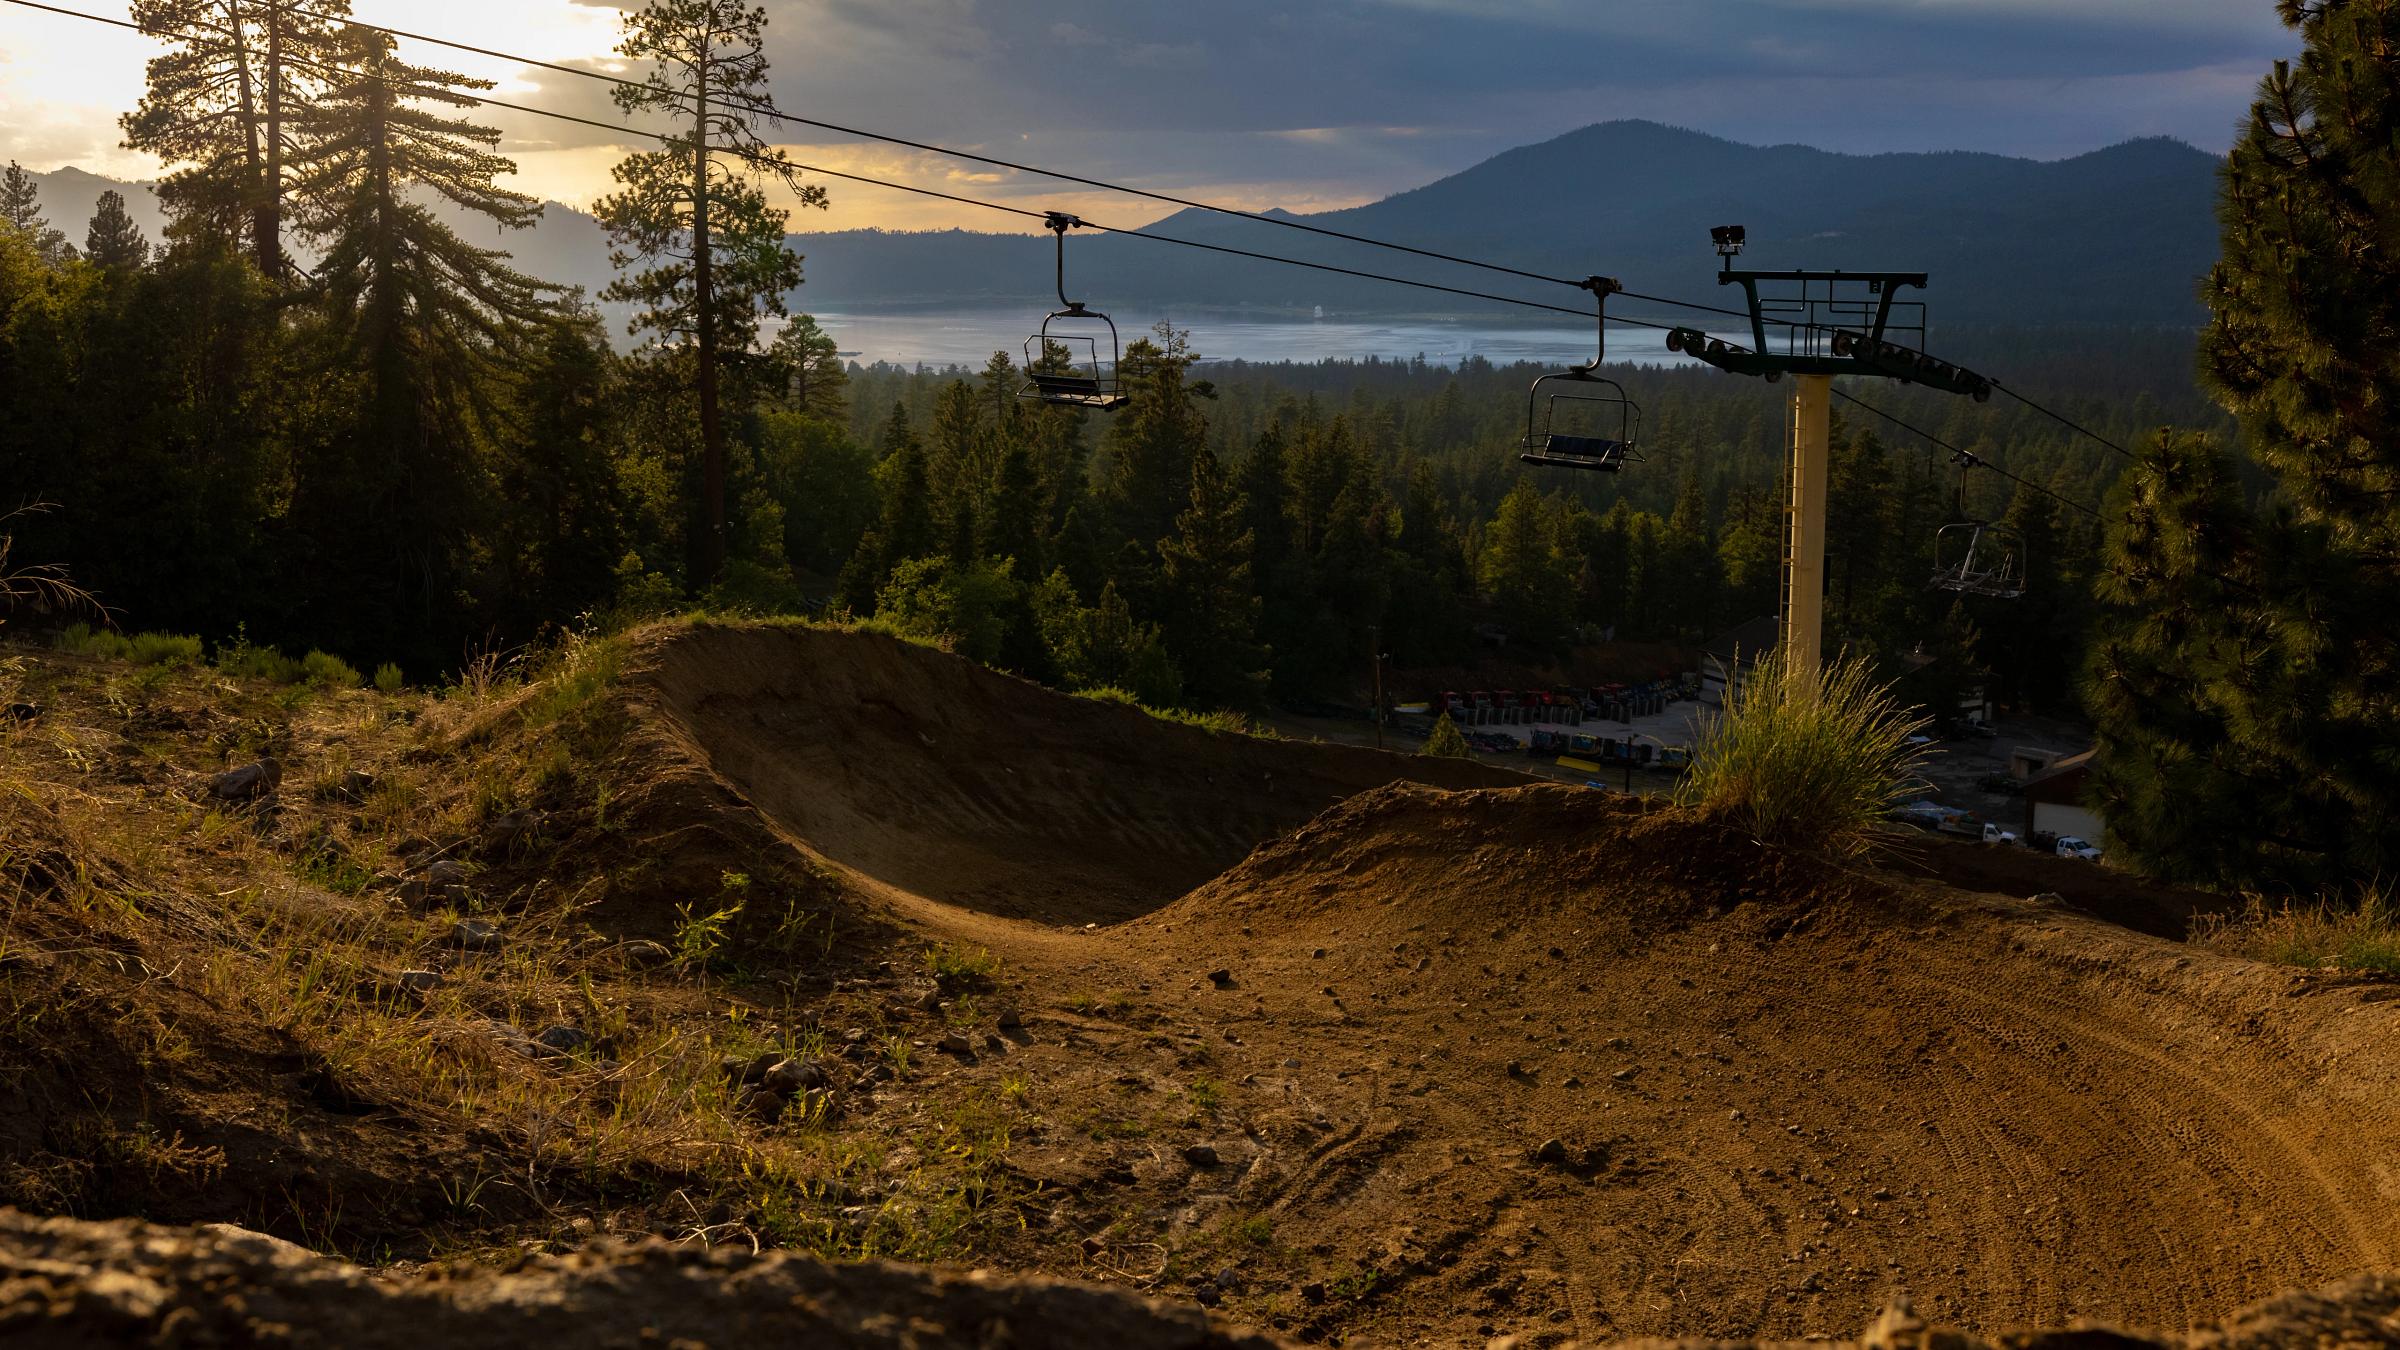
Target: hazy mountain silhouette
(2118,236)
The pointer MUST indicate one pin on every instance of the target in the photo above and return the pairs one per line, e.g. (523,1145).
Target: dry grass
(122,889)
(2360,934)
(1803,758)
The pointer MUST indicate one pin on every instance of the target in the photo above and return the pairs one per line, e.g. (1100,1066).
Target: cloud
(1321,101)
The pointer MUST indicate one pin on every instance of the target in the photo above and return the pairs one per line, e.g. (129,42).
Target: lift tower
(1830,323)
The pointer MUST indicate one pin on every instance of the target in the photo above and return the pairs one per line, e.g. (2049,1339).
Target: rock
(419,984)
(1092,1246)
(793,1076)
(930,1000)
(1220,977)
(643,952)
(410,849)
(1291,1064)
(1552,1153)
(357,783)
(1229,1279)
(475,935)
(756,1068)
(995,1043)
(855,1036)
(760,1105)
(814,1106)
(1200,1155)
(247,783)
(1734,1114)
(1010,1021)
(21,712)
(956,1044)
(1208,1296)
(1317,954)
(1624,1075)
(561,1039)
(502,830)
(446,872)
(1312,1293)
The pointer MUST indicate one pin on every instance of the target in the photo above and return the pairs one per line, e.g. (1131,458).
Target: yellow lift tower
(1827,324)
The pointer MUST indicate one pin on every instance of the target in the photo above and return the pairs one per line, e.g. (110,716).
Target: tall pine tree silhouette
(2248,676)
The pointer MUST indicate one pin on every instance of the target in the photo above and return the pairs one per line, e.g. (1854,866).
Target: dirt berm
(65,1283)
(938,778)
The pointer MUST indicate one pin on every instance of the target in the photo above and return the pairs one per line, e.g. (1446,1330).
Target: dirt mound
(1535,1061)
(1468,859)
(937,777)
(66,1283)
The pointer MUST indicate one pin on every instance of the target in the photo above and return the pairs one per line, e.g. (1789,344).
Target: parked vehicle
(2069,846)
(1993,834)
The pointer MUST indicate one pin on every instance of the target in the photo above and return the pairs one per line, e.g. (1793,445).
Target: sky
(1260,103)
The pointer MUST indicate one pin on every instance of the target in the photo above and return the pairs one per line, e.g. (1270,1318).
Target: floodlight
(1729,239)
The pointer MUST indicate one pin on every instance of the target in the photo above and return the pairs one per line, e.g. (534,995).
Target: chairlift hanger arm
(1058,223)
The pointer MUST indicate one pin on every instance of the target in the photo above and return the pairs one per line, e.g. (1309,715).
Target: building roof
(1748,641)
(2061,783)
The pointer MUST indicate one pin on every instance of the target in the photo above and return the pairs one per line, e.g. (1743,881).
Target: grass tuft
(2329,934)
(1805,759)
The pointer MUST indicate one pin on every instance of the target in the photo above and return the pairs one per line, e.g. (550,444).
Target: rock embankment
(65,1282)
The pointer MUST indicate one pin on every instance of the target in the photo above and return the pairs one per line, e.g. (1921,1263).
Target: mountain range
(2120,236)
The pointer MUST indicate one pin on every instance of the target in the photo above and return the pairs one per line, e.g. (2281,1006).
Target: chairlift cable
(1967,459)
(2063,420)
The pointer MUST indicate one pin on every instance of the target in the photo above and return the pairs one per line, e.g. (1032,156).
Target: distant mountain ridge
(2118,236)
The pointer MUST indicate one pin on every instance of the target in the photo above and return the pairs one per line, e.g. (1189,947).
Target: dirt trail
(935,777)
(1534,1060)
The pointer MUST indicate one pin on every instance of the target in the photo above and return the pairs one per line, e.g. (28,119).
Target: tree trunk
(270,210)
(262,231)
(712,428)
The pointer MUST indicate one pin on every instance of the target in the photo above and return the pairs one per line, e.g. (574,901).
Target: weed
(388,678)
(895,1050)
(2359,935)
(1017,1087)
(1205,1094)
(700,938)
(954,964)
(1221,723)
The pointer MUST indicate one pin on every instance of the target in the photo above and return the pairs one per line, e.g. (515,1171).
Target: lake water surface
(968,338)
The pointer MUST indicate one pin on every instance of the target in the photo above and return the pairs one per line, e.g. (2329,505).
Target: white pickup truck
(2069,846)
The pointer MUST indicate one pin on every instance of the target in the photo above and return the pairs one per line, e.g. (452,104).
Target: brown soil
(65,1283)
(940,779)
(1366,1046)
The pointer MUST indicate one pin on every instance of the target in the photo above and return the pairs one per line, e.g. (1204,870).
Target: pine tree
(805,370)
(114,240)
(1212,612)
(696,209)
(1012,526)
(421,313)
(2250,730)
(1447,741)
(225,101)
(21,210)
(1524,573)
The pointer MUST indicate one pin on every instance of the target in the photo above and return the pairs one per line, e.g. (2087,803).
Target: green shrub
(1223,723)
(244,661)
(388,678)
(143,649)
(324,670)
(1447,741)
(1804,758)
(165,649)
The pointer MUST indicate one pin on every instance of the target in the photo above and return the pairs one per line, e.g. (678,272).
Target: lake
(968,338)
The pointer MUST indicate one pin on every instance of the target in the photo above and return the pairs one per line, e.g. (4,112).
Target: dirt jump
(1534,1059)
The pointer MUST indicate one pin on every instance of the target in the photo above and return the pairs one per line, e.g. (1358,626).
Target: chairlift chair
(1578,419)
(1064,368)
(1979,558)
